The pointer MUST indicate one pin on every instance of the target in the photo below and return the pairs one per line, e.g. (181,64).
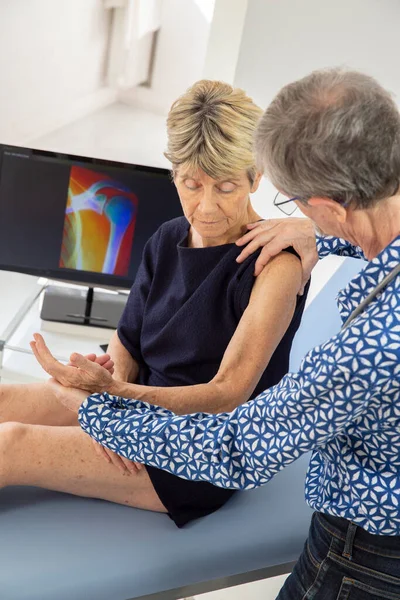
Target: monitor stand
(76,306)
(88,306)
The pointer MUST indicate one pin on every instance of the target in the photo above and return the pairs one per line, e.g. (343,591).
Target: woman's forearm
(212,397)
(125,367)
(208,397)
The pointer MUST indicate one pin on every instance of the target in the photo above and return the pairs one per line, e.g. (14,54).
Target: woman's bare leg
(33,403)
(63,459)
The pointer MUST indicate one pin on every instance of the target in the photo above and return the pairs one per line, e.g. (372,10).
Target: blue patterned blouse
(343,405)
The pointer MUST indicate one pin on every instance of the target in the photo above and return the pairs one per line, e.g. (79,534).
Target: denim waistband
(355,535)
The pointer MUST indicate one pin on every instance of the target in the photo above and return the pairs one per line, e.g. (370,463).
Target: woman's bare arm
(125,366)
(273,236)
(262,326)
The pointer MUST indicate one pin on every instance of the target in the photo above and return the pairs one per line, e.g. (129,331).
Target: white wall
(181,50)
(286,39)
(52,55)
(225,39)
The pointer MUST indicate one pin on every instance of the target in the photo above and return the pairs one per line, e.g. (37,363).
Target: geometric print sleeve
(335,386)
(327,244)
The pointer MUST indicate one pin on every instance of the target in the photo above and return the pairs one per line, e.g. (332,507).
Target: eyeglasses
(284,203)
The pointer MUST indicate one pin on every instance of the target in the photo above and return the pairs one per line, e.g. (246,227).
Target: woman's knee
(11,432)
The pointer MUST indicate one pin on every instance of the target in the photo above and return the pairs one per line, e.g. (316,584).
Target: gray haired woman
(331,144)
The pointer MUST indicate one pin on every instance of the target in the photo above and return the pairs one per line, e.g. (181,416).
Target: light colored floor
(260,590)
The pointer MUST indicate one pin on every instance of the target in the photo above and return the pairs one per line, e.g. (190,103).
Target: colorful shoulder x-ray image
(99,223)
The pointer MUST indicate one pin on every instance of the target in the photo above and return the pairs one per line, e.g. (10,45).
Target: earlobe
(342,216)
(256,183)
(339,211)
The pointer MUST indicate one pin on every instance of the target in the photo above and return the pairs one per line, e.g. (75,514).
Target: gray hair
(334,134)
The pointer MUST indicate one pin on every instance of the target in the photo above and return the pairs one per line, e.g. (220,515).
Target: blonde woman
(199,332)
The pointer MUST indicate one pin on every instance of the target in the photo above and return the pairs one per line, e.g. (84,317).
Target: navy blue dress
(182,312)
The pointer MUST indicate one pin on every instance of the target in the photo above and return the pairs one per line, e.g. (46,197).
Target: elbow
(228,395)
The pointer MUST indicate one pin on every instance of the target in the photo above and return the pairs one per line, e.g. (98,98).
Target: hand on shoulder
(274,235)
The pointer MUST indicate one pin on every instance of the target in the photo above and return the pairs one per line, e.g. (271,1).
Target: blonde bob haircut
(211,127)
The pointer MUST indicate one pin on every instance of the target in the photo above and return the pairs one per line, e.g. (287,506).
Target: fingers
(262,261)
(252,225)
(308,261)
(41,345)
(257,228)
(82,373)
(250,235)
(44,357)
(102,359)
(124,465)
(271,246)
(64,374)
(41,351)
(105,362)
(259,238)
(36,353)
(78,360)
(88,375)
(109,457)
(109,366)
(92,357)
(100,451)
(91,369)
(132,467)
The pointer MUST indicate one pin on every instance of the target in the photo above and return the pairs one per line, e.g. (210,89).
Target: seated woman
(199,333)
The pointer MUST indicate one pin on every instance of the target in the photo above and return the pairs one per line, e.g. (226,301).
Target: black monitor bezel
(85,278)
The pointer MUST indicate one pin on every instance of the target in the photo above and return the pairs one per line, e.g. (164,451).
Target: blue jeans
(341,561)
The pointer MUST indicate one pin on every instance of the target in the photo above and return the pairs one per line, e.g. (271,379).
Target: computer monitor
(79,219)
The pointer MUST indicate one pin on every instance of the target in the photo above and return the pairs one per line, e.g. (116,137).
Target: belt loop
(348,545)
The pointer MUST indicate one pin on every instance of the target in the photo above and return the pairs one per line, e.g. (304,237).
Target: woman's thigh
(325,571)
(63,459)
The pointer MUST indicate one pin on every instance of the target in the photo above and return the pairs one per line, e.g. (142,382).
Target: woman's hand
(274,235)
(103,360)
(123,464)
(80,373)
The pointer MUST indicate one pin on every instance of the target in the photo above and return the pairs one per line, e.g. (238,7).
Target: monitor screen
(79,219)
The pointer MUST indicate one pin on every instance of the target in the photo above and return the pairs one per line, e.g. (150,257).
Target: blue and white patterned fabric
(343,405)
(330,245)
